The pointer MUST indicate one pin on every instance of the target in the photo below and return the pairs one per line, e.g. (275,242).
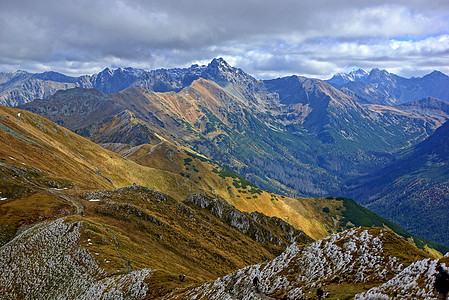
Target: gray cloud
(265,38)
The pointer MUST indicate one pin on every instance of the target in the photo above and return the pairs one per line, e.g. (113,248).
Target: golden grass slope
(36,145)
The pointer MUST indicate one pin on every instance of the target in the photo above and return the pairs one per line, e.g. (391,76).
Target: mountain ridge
(382,87)
(25,87)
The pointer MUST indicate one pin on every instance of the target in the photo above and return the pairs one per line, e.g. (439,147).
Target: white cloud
(265,38)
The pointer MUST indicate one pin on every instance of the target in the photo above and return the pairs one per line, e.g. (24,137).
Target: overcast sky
(265,38)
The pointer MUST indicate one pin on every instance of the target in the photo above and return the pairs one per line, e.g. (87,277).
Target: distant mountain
(112,81)
(358,75)
(382,87)
(20,87)
(414,189)
(235,81)
(375,87)
(427,106)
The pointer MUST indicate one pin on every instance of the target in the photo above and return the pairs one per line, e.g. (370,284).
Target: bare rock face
(31,262)
(258,226)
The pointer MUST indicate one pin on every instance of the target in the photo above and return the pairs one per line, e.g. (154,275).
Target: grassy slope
(37,157)
(47,170)
(48,154)
(51,152)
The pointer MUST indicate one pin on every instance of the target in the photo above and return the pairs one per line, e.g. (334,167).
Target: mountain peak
(219,61)
(356,75)
(219,70)
(376,71)
(106,72)
(378,75)
(219,64)
(435,74)
(55,76)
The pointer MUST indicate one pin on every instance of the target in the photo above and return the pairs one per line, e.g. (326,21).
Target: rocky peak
(220,63)
(112,81)
(258,226)
(11,77)
(106,72)
(378,75)
(219,70)
(357,75)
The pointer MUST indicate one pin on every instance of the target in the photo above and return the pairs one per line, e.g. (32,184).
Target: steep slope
(39,158)
(42,154)
(62,160)
(413,189)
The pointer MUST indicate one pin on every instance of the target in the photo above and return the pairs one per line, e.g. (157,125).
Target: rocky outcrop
(258,226)
(354,256)
(48,261)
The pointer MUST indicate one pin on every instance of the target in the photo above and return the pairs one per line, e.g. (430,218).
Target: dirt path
(68,198)
(125,261)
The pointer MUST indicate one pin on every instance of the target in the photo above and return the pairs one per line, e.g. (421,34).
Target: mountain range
(208,172)
(375,87)
(382,87)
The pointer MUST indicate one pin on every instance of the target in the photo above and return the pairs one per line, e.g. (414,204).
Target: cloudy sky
(265,38)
